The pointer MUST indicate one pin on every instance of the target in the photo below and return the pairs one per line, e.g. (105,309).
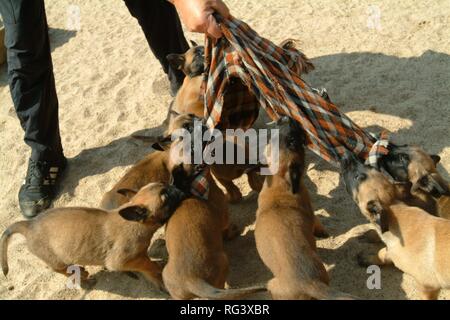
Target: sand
(392,75)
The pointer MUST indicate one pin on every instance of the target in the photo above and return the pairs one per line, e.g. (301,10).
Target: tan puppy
(117,240)
(155,167)
(166,164)
(189,98)
(412,164)
(198,265)
(285,225)
(416,242)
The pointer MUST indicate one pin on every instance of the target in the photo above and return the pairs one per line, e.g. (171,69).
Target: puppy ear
(134,213)
(376,210)
(162,143)
(193,43)
(128,193)
(295,175)
(435,158)
(176,60)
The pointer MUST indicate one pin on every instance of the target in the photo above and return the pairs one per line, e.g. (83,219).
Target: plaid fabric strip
(380,147)
(200,185)
(271,74)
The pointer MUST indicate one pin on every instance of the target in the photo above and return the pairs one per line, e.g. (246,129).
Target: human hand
(197,15)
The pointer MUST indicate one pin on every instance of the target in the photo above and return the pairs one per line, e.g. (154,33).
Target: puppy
(155,167)
(416,242)
(224,173)
(167,164)
(117,240)
(189,98)
(412,164)
(285,225)
(197,265)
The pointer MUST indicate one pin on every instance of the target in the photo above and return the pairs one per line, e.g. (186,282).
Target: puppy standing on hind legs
(198,265)
(285,225)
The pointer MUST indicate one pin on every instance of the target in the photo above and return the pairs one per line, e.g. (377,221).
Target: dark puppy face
(291,153)
(412,164)
(182,143)
(153,204)
(369,188)
(192,63)
(353,172)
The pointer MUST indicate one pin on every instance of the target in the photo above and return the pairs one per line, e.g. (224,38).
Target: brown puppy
(189,101)
(189,98)
(412,164)
(166,163)
(197,265)
(224,173)
(285,225)
(155,167)
(416,242)
(117,240)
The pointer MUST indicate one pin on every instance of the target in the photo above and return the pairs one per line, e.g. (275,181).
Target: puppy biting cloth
(268,72)
(245,72)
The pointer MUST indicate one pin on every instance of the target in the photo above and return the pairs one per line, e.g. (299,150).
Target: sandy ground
(110,86)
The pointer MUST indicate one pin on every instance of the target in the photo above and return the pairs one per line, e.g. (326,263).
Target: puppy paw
(233,231)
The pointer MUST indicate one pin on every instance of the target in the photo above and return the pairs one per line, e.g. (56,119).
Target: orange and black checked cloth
(245,72)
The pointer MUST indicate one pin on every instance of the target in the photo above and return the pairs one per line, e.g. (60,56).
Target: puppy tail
(18,227)
(321,291)
(203,289)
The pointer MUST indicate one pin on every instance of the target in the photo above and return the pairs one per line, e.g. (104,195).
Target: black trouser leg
(162,28)
(30,74)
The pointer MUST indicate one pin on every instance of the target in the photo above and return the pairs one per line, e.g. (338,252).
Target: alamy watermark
(374,17)
(374,280)
(73,18)
(74,278)
(246,147)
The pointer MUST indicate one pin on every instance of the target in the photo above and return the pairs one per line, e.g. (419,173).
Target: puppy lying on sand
(416,242)
(198,265)
(285,225)
(117,240)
